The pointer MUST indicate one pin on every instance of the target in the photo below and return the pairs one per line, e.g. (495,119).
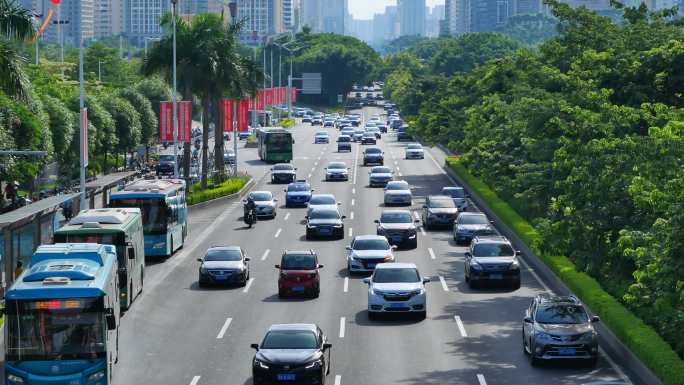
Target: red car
(299,274)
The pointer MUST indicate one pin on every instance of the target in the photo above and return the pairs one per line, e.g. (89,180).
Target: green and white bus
(275,145)
(120,227)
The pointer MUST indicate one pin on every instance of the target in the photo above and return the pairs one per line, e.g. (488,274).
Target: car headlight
(515,265)
(475,266)
(337,226)
(260,364)
(16,379)
(389,258)
(96,376)
(419,291)
(314,364)
(310,226)
(588,336)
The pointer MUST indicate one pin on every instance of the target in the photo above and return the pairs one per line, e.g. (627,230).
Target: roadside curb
(217,201)
(608,341)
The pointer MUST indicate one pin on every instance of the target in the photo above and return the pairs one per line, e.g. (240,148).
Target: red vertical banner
(243,115)
(165,122)
(260,100)
(227,113)
(184,121)
(283,95)
(293,96)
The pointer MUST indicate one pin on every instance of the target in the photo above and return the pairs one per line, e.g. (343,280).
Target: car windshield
(373,151)
(261,196)
(473,220)
(166,158)
(299,187)
(454,192)
(442,204)
(368,135)
(561,314)
(336,166)
(298,262)
(321,134)
(281,167)
(322,200)
(324,214)
(344,139)
(396,218)
(414,146)
(290,339)
(380,170)
(223,255)
(371,244)
(396,276)
(493,250)
(398,186)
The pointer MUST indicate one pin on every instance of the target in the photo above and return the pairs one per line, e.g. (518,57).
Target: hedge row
(651,349)
(231,186)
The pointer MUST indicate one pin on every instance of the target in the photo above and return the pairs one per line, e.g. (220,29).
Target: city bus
(62,317)
(122,228)
(164,213)
(275,145)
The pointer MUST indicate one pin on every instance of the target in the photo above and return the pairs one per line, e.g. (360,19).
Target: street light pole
(99,70)
(82,121)
(174,98)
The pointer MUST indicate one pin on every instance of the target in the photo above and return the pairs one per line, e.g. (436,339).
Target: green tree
(15,24)
(126,122)
(465,52)
(531,29)
(148,119)
(155,90)
(62,123)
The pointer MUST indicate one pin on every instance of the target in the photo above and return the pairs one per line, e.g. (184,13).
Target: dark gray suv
(492,259)
(559,328)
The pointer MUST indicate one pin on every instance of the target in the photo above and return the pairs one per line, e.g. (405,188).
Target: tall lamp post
(289,78)
(232,6)
(99,70)
(83,121)
(174,96)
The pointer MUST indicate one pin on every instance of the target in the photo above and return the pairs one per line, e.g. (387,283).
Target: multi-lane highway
(177,333)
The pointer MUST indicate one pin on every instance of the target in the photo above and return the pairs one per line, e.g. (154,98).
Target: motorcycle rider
(250,207)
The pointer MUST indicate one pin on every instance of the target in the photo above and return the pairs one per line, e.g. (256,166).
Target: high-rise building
(310,15)
(258,18)
(457,17)
(333,13)
(386,25)
(486,15)
(360,29)
(411,17)
(109,18)
(432,19)
(142,18)
(523,7)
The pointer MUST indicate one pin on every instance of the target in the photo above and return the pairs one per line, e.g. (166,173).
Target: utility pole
(174,97)
(83,124)
(99,70)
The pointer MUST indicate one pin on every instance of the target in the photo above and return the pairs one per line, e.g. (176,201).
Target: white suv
(396,288)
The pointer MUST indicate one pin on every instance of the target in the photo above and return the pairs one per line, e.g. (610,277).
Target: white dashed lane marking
(278,233)
(265,255)
(223,330)
(461,328)
(432,253)
(195,380)
(444,284)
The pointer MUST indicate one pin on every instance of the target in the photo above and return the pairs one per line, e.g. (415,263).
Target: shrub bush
(231,186)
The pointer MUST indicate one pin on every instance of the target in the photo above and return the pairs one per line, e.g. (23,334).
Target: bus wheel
(171,249)
(142,280)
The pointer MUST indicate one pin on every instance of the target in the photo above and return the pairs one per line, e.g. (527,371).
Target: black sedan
(325,222)
(224,265)
(292,353)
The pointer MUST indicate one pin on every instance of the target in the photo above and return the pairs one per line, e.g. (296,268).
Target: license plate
(567,351)
(324,231)
(298,289)
(371,265)
(220,277)
(495,276)
(396,239)
(287,377)
(396,305)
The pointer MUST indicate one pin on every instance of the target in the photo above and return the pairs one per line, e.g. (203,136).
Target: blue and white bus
(62,317)
(164,213)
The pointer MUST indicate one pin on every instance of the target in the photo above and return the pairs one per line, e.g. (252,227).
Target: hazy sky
(364,9)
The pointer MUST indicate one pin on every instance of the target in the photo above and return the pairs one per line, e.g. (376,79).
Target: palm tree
(208,66)
(15,24)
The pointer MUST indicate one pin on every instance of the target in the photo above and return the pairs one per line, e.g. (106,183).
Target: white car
(396,288)
(265,203)
(336,171)
(347,131)
(380,176)
(358,135)
(321,201)
(414,151)
(322,137)
(368,251)
(398,192)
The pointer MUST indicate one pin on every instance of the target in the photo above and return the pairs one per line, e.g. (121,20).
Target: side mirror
(518,252)
(327,346)
(367,280)
(394,247)
(492,222)
(247,259)
(131,253)
(426,279)
(527,320)
(254,346)
(110,318)
(275,200)
(276,266)
(344,217)
(377,221)
(199,259)
(244,201)
(295,168)
(416,221)
(348,248)
(467,254)
(595,319)
(424,206)
(306,217)
(321,266)
(284,190)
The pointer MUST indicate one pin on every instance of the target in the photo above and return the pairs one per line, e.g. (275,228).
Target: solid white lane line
(416,215)
(422,230)
(352,202)
(436,163)
(534,274)
(263,257)
(350,232)
(195,380)
(351,215)
(223,330)
(346,284)
(286,216)
(432,253)
(444,284)
(338,380)
(343,322)
(278,233)
(356,164)
(249,284)
(461,328)
(481,379)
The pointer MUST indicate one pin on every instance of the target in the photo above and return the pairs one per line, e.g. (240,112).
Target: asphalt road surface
(177,333)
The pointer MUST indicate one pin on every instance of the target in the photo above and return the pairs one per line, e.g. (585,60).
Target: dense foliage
(585,137)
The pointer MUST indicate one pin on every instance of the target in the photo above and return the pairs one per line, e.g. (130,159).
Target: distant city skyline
(365,9)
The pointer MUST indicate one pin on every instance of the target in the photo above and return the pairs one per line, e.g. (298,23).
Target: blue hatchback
(298,193)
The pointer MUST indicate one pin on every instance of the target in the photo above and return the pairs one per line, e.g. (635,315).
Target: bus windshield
(56,329)
(279,142)
(154,212)
(116,239)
